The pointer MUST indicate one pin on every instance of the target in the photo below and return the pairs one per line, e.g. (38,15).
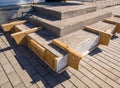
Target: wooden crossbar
(8,26)
(73,56)
(19,36)
(104,37)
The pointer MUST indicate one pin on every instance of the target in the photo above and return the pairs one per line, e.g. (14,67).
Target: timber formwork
(62,42)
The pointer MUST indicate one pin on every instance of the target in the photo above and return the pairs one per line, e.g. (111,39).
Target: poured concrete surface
(67,26)
(104,26)
(63,12)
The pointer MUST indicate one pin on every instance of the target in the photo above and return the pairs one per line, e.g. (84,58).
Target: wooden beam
(104,37)
(8,26)
(19,36)
(117,15)
(73,56)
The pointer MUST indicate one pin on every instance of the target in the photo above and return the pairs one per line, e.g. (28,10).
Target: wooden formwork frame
(104,37)
(117,23)
(21,37)
(73,56)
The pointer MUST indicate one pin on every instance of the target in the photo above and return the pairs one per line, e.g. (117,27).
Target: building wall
(13,12)
(17,2)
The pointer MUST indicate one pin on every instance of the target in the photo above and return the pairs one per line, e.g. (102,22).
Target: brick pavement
(21,68)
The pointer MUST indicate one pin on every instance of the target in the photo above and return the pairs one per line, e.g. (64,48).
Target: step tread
(38,37)
(103,26)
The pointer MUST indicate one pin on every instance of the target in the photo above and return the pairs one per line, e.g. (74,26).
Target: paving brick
(59,86)
(3,59)
(99,74)
(51,80)
(67,84)
(1,68)
(20,85)
(34,86)
(14,78)
(101,83)
(39,80)
(77,82)
(30,70)
(118,80)
(3,78)
(86,73)
(13,60)
(113,83)
(7,85)
(86,65)
(8,53)
(110,75)
(8,68)
(89,83)
(26,79)
(41,70)
(76,73)
(19,69)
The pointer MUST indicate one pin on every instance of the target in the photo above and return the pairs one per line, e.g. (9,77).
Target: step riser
(63,15)
(62,31)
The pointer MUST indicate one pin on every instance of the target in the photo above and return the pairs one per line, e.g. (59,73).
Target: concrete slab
(67,26)
(63,12)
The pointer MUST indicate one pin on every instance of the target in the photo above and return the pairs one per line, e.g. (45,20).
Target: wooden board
(19,36)
(73,56)
(8,26)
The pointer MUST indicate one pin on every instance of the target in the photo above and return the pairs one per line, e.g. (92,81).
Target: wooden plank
(19,36)
(109,20)
(117,15)
(73,56)
(104,37)
(8,26)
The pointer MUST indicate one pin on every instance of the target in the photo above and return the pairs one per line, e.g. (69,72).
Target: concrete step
(104,27)
(63,12)
(67,26)
(77,41)
(80,42)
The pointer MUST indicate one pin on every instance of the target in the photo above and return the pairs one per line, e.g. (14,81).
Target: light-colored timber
(104,37)
(19,36)
(8,26)
(73,56)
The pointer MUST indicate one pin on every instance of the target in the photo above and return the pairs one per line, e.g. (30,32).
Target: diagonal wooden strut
(8,26)
(104,37)
(19,36)
(73,56)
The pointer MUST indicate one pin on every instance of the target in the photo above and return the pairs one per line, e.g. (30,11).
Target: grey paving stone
(14,78)
(3,78)
(7,85)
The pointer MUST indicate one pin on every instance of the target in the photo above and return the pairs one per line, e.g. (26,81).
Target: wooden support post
(19,36)
(8,26)
(104,37)
(73,56)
